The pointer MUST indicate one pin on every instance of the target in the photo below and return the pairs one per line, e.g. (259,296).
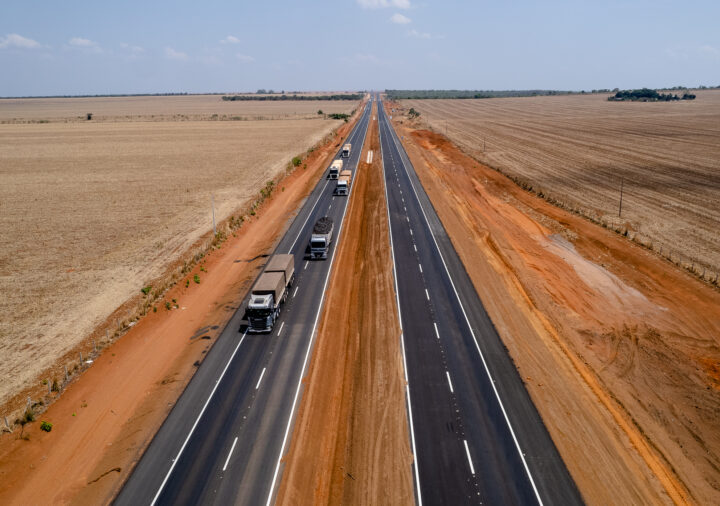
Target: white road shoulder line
(229,454)
(197,420)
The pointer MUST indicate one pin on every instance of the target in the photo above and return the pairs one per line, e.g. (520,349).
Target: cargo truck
(270,292)
(335,169)
(343,183)
(320,239)
(346,150)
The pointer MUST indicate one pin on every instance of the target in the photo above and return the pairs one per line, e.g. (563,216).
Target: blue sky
(96,47)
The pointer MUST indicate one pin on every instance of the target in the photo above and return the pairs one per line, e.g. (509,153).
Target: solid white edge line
(351,139)
(447,373)
(260,378)
(308,217)
(477,346)
(467,452)
(402,337)
(197,420)
(307,352)
(227,460)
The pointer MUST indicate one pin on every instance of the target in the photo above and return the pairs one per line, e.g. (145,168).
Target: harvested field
(575,150)
(164,108)
(619,349)
(91,213)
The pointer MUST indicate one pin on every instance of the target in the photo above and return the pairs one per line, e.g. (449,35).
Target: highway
(475,433)
(223,440)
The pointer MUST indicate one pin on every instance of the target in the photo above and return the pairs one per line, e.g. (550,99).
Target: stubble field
(91,212)
(577,149)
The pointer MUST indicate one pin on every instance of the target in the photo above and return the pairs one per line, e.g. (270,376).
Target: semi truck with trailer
(343,183)
(346,150)
(335,169)
(320,239)
(270,292)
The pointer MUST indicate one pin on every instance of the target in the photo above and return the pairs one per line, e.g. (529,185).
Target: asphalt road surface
(475,433)
(222,442)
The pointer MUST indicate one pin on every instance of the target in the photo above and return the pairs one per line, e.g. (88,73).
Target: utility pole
(622,180)
(212,200)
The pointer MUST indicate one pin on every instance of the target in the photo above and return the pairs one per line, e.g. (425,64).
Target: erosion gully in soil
(350,444)
(105,419)
(617,346)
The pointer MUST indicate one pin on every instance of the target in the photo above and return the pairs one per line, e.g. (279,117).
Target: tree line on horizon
(338,96)
(649,95)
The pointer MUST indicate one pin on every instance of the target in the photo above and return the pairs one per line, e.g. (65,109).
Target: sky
(98,47)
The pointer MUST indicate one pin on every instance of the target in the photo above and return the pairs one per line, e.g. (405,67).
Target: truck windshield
(317,244)
(258,313)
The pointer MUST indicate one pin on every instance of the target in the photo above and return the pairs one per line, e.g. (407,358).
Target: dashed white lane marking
(411,232)
(450,384)
(229,454)
(405,208)
(415,248)
(281,328)
(436,330)
(260,379)
(296,289)
(407,218)
(467,452)
(306,263)
(427,295)
(420,265)
(329,207)
(197,420)
(369,156)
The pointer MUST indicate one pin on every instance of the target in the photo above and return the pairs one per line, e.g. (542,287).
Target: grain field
(578,149)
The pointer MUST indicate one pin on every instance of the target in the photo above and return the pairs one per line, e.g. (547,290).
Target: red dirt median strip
(105,419)
(351,441)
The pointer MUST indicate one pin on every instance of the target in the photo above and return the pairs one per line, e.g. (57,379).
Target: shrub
(167,305)
(46,426)
(320,111)
(146,290)
(296,161)
(196,278)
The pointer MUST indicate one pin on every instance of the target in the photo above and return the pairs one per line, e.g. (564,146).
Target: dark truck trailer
(321,238)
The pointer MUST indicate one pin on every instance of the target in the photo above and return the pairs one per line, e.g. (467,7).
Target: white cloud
(230,39)
(419,35)
(244,58)
(15,40)
(399,19)
(134,49)
(381,4)
(80,42)
(171,54)
(370,58)
(709,50)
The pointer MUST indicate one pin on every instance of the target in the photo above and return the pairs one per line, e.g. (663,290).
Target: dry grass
(173,108)
(91,211)
(575,149)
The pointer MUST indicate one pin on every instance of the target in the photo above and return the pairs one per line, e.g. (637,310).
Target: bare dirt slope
(105,419)
(91,213)
(619,349)
(350,444)
(575,149)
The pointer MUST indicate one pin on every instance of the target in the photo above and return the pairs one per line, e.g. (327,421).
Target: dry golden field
(91,211)
(173,108)
(576,149)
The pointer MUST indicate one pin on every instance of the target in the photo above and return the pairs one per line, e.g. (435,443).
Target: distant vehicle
(321,238)
(346,151)
(343,183)
(270,292)
(335,169)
